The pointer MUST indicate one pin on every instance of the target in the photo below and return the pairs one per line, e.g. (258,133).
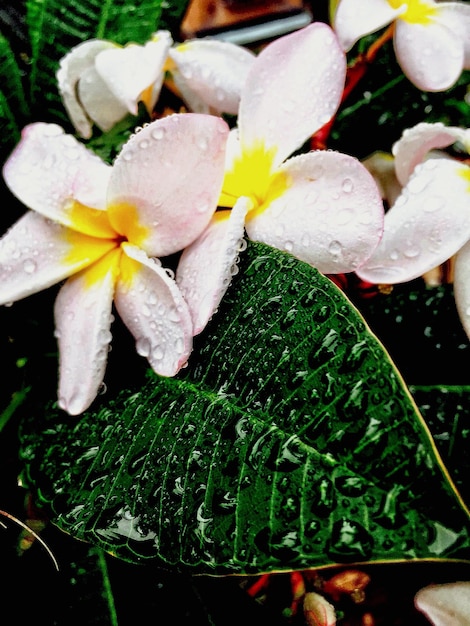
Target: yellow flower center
(417,11)
(252,176)
(95,238)
(125,220)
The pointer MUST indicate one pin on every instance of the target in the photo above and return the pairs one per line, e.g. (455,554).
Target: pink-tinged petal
(166,182)
(330,214)
(154,310)
(462,286)
(353,19)
(456,16)
(206,266)
(212,73)
(83,330)
(428,224)
(48,170)
(382,167)
(317,610)
(71,69)
(446,604)
(430,55)
(37,253)
(293,88)
(135,73)
(416,142)
(100,104)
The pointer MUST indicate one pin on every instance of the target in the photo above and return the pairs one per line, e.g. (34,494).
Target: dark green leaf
(289,442)
(13,106)
(447,412)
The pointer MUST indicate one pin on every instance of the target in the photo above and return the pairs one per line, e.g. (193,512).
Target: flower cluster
(101,82)
(102,227)
(188,184)
(155,236)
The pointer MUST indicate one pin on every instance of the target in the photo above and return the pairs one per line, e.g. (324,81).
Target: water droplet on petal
(158,133)
(143,346)
(411,251)
(335,248)
(347,185)
(29,266)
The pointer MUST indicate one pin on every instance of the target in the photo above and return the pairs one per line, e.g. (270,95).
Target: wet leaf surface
(288,442)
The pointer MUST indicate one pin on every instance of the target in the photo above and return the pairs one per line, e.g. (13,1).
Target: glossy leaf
(13,108)
(446,409)
(289,442)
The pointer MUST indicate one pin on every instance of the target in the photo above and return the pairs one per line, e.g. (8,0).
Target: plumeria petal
(166,181)
(206,266)
(71,69)
(317,610)
(382,167)
(100,104)
(210,74)
(154,310)
(83,330)
(293,88)
(129,72)
(456,16)
(428,223)
(37,253)
(446,604)
(430,55)
(416,142)
(462,285)
(329,215)
(353,19)
(59,170)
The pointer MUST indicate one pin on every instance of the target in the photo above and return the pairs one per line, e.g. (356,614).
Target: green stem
(17,400)
(107,586)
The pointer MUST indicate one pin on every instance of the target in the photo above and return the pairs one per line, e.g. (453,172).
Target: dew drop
(158,353)
(29,266)
(143,347)
(347,185)
(158,133)
(335,247)
(411,251)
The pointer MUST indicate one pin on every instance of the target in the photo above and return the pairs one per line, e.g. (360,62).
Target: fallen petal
(318,611)
(446,604)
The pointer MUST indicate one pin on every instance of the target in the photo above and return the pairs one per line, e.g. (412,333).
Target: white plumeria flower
(447,604)
(431,39)
(103,228)
(429,222)
(101,82)
(323,207)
